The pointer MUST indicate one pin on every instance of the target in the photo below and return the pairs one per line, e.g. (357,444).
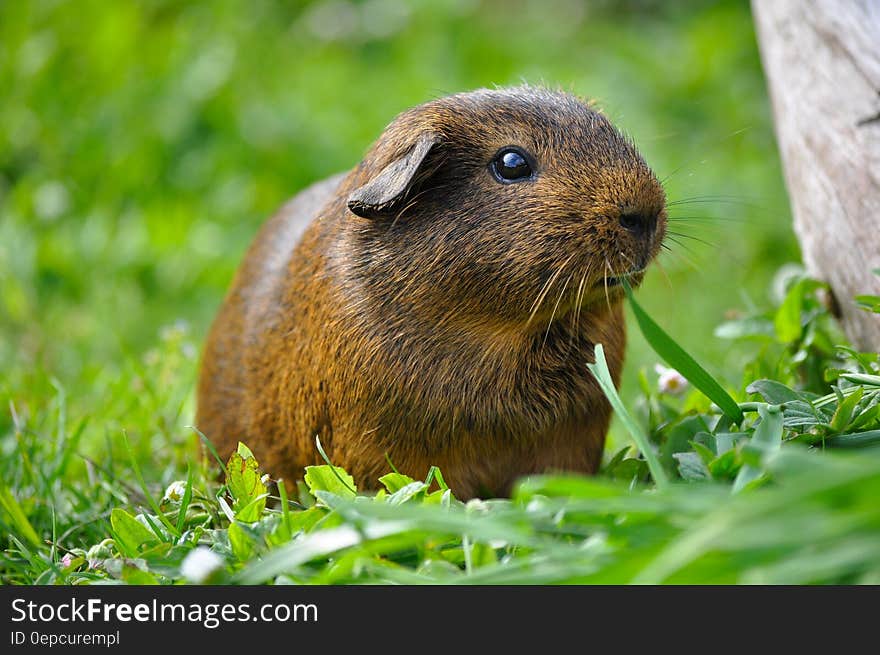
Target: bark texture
(822,62)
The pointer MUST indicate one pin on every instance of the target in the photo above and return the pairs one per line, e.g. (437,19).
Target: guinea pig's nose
(639,223)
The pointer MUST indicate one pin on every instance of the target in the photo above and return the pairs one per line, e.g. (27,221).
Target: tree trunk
(822,62)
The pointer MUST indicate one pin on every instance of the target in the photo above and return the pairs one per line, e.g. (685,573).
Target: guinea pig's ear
(382,194)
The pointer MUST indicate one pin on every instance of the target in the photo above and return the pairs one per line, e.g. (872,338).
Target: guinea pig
(439,303)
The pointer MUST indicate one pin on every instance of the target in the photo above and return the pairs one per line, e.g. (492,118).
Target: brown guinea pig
(439,303)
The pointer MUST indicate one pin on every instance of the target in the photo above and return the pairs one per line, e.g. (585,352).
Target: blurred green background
(143,143)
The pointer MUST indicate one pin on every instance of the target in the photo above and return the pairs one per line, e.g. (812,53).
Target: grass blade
(768,437)
(145,489)
(285,509)
(333,469)
(17,517)
(211,449)
(185,501)
(676,357)
(603,377)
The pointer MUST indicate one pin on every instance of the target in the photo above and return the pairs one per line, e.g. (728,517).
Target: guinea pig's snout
(639,223)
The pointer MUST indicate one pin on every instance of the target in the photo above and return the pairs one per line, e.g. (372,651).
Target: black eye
(511,165)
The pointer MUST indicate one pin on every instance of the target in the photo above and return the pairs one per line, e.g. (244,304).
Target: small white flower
(175,490)
(670,381)
(67,560)
(199,564)
(265,479)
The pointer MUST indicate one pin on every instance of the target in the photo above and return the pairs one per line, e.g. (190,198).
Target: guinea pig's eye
(510,165)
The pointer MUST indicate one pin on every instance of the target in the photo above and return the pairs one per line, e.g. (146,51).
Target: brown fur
(450,320)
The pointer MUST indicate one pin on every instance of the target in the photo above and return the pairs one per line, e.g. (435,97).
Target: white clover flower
(175,490)
(199,564)
(670,381)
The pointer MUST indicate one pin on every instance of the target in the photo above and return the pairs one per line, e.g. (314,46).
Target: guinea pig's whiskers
(686,261)
(576,314)
(662,269)
(608,270)
(705,219)
(545,290)
(675,253)
(695,210)
(555,307)
(582,289)
(724,199)
(682,235)
(674,238)
(710,149)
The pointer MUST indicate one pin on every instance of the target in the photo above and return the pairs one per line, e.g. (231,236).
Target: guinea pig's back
(249,307)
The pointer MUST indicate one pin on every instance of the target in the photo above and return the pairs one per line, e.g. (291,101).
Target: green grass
(144,143)
(698,498)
